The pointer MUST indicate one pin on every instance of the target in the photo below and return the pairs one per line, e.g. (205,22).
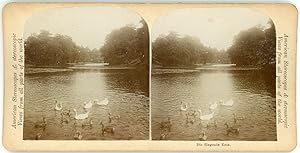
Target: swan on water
(103,102)
(88,105)
(213,106)
(58,106)
(81,116)
(183,106)
(207,116)
(227,103)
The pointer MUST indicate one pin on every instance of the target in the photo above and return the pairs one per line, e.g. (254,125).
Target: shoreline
(189,69)
(38,70)
(207,68)
(55,69)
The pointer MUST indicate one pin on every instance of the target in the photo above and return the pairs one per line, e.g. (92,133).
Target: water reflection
(252,96)
(130,80)
(128,98)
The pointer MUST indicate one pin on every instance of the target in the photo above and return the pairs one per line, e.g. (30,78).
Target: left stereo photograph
(86,75)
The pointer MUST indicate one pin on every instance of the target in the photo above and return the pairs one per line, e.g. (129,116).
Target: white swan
(207,116)
(213,106)
(103,102)
(183,106)
(227,103)
(88,105)
(81,116)
(58,106)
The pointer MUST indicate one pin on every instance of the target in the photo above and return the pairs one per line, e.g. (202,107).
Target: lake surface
(126,90)
(252,93)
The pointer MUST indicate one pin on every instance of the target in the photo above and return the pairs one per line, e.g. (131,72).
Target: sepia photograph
(149,76)
(213,75)
(86,75)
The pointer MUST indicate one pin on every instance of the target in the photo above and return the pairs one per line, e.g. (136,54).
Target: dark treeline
(46,49)
(127,46)
(254,47)
(175,50)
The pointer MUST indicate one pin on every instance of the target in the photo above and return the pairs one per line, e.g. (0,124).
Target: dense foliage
(125,46)
(45,49)
(254,47)
(128,45)
(176,50)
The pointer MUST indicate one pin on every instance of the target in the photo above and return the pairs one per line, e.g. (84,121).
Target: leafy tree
(128,45)
(176,50)
(254,47)
(45,49)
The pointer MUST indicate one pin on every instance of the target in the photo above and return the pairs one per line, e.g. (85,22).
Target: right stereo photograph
(213,75)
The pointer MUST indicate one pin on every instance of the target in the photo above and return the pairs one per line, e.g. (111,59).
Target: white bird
(58,106)
(88,105)
(81,116)
(207,116)
(213,106)
(103,102)
(227,103)
(183,106)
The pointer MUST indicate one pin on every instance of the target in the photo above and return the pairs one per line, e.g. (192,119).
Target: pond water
(126,90)
(252,93)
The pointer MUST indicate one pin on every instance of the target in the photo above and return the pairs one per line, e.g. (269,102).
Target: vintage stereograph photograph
(86,75)
(149,77)
(213,75)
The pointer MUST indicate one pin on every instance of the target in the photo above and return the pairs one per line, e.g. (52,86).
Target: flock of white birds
(87,107)
(203,117)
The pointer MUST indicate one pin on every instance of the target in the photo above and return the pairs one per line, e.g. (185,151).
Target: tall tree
(254,47)
(176,50)
(44,49)
(128,45)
